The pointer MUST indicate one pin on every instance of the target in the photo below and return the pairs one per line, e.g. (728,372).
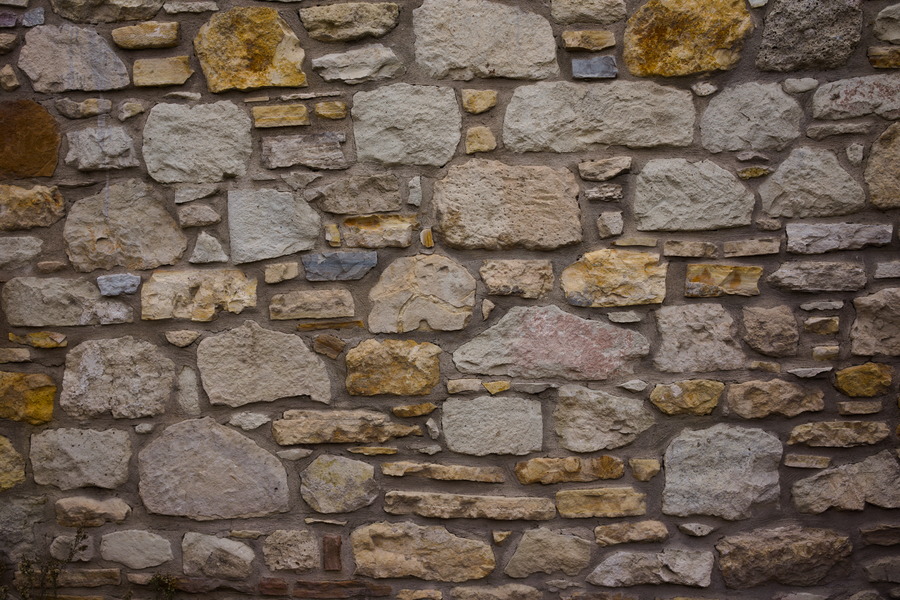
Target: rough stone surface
(266,223)
(361,194)
(876,329)
(571,468)
(349,21)
(487,425)
(118,284)
(697,337)
(369,63)
(338,266)
(315,150)
(590,11)
(858,96)
(811,183)
(196,295)
(839,434)
(337,427)
(151,72)
(136,549)
(12,465)
(17,516)
(809,276)
(615,278)
(882,179)
(149,34)
(672,565)
(291,549)
(81,511)
(873,480)
(818,238)
(312,304)
(378,231)
(688,397)
(759,399)
(22,208)
(752,116)
(100,148)
(106,11)
(16,252)
(90,63)
(510,591)
(56,301)
(73,458)
(464,506)
(399,368)
(590,420)
(216,557)
(625,533)
(543,550)
(525,278)
(29,149)
(864,381)
(601,502)
(771,331)
(334,484)
(444,472)
(887,24)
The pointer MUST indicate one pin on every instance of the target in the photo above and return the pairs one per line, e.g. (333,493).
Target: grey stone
(823,305)
(857,97)
(758,399)
(543,550)
(312,304)
(57,302)
(509,591)
(125,225)
(671,566)
(404,124)
(291,549)
(361,194)
(240,479)
(855,152)
(771,331)
(816,238)
(588,11)
(334,484)
(61,548)
(101,148)
(590,420)
(73,458)
(368,63)
(820,131)
(883,569)
(106,11)
(809,276)
(809,34)
(338,266)
(248,421)
(672,194)
(876,329)
(89,65)
(569,117)
(266,223)
(697,337)
(313,150)
(252,364)
(196,144)
(17,252)
(18,516)
(525,278)
(463,39)
(811,183)
(610,224)
(197,215)
(33,17)
(174,7)
(722,471)
(696,529)
(488,425)
(125,377)
(887,270)
(594,67)
(189,192)
(136,549)
(349,21)
(606,192)
(887,24)
(874,480)
(207,249)
(86,108)
(881,174)
(216,557)
(118,284)
(414,186)
(751,116)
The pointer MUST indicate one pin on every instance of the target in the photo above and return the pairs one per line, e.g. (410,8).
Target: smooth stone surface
(396,367)
(58,302)
(524,278)
(759,399)
(149,34)
(881,176)
(291,549)
(801,35)
(543,550)
(368,63)
(30,147)
(874,480)
(90,63)
(338,266)
(671,566)
(266,223)
(361,194)
(612,277)
(811,183)
(74,458)
(196,295)
(487,425)
(697,337)
(594,67)
(750,116)
(101,148)
(858,96)
(590,420)
(216,557)
(818,238)
(876,329)
(136,549)
(22,208)
(349,21)
(106,11)
(334,484)
(687,397)
(817,276)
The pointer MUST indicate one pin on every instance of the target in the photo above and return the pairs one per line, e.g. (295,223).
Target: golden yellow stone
(711,281)
(500,536)
(247,48)
(495,387)
(373,450)
(569,469)
(414,410)
(419,595)
(601,502)
(864,381)
(150,34)
(615,278)
(333,109)
(680,37)
(397,367)
(644,469)
(26,397)
(754,172)
(688,397)
(884,57)
(40,339)
(287,115)
(12,465)
(156,72)
(426,237)
(480,139)
(591,40)
(478,101)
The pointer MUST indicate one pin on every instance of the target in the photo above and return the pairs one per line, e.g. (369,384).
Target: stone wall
(464,299)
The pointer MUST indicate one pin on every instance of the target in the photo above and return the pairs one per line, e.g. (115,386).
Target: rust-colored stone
(331,552)
(22,208)
(26,397)
(273,586)
(29,140)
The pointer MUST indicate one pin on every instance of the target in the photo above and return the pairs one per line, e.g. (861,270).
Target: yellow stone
(287,115)
(680,37)
(150,34)
(822,325)
(478,101)
(414,410)
(754,172)
(884,57)
(333,109)
(333,235)
(644,469)
(615,278)
(156,72)
(499,536)
(569,469)
(26,397)
(864,381)
(591,40)
(12,465)
(196,294)
(688,397)
(426,237)
(711,281)
(248,48)
(373,450)
(601,502)
(397,367)
(480,139)
(495,387)
(41,339)
(624,533)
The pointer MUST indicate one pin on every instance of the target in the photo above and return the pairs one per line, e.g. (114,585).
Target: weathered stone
(337,427)
(278,272)
(722,471)
(601,502)
(525,278)
(73,458)
(881,177)
(644,469)
(588,40)
(414,410)
(610,224)
(881,534)
(80,511)
(15,355)
(789,555)
(349,21)
(588,11)
(16,252)
(604,169)
(22,208)
(63,548)
(758,399)
(248,421)
(30,143)
(819,131)
(463,39)
(486,425)
(887,24)
(314,150)
(543,550)
(100,148)
(333,484)
(883,569)
(800,35)
(545,341)
(253,364)
(136,549)
(118,284)
(405,549)
(17,519)
(196,144)
(480,139)
(294,549)
(594,67)
(839,434)
(697,337)
(817,238)
(688,397)
(332,110)
(859,407)
(338,266)
(690,249)
(105,11)
(751,116)
(361,194)
(809,276)
(714,280)
(129,108)
(125,377)
(266,223)
(196,295)
(210,556)
(443,472)
(672,194)
(312,304)
(368,63)
(625,533)
(875,480)
(811,183)
(590,420)
(671,566)
(12,465)
(876,329)
(149,34)
(462,506)
(615,278)
(858,96)
(90,63)
(284,115)
(806,461)
(864,381)
(197,215)
(52,301)
(887,270)
(406,124)
(240,479)
(379,231)
(568,117)
(423,290)
(399,368)
(155,72)
(478,101)
(681,37)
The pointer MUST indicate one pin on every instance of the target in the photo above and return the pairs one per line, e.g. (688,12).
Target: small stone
(754,172)
(811,183)
(59,302)
(266,223)
(379,231)
(590,420)
(101,148)
(80,511)
(594,67)
(16,252)
(400,368)
(756,247)
(876,329)
(590,11)
(610,224)
(174,7)
(334,110)
(156,72)
(704,88)
(444,472)
(615,278)
(414,410)
(795,38)
(368,63)
(809,276)
(362,194)
(143,428)
(823,305)
(487,307)
(460,506)
(248,421)
(15,355)
(294,454)
(826,352)
(419,595)
(149,34)
(118,284)
(697,337)
(129,109)
(809,372)
(714,280)
(644,469)
(349,21)
(486,425)
(9,81)
(480,139)
(414,189)
(689,397)
(626,533)
(210,556)
(690,249)
(196,295)
(588,40)
(61,548)
(696,529)
(495,387)
(759,399)
(604,169)
(337,266)
(806,461)
(882,534)
(278,272)
(40,339)
(73,458)
(197,215)
(524,278)
(478,101)
(839,434)
(887,270)
(569,469)
(601,502)
(337,427)
(799,86)
(333,484)
(136,549)
(605,192)
(543,550)
(328,345)
(12,465)
(461,386)
(312,304)
(207,249)
(751,116)
(315,150)
(821,131)
(859,407)
(285,115)
(884,57)
(296,550)
(8,41)
(883,569)
(90,65)
(822,325)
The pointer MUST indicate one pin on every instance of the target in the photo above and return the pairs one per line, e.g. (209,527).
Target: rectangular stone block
(464,506)
(601,502)
(285,115)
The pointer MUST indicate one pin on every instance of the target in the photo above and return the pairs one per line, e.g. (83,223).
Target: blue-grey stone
(33,17)
(118,284)
(338,266)
(595,67)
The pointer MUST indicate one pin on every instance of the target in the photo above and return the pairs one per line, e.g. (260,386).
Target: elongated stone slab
(349,21)
(874,480)
(196,295)
(817,238)
(464,506)
(601,502)
(858,96)
(442,472)
(338,266)
(817,276)
(671,566)
(839,434)
(313,150)
(337,427)
(53,301)
(569,469)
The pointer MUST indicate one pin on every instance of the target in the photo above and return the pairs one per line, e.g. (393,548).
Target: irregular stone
(240,480)
(312,304)
(118,284)
(285,115)
(880,176)
(858,96)
(174,7)
(821,131)
(722,471)
(797,38)
(349,21)
(568,117)
(524,278)
(129,108)
(681,37)
(644,469)
(422,290)
(590,420)
(806,461)
(73,458)
(751,116)
(758,399)
(248,421)
(105,11)
(697,337)
(671,566)
(15,355)
(136,549)
(604,169)
(876,329)
(864,381)
(215,557)
(91,107)
(809,276)
(17,519)
(379,231)
(811,183)
(403,124)
(850,486)
(615,278)
(789,555)
(196,144)
(672,194)
(601,502)
(295,550)
(544,341)
(333,484)
(839,434)
(16,252)
(859,407)
(625,533)
(101,148)
(266,223)
(331,110)
(883,569)
(817,238)
(462,506)
(404,549)
(315,150)
(337,427)
(881,534)
(368,63)
(480,139)
(362,194)
(589,11)
(338,266)
(81,511)
(12,465)
(478,101)
(610,224)
(30,148)
(443,472)
(690,249)
(63,548)
(543,550)
(486,425)
(90,63)
(278,272)
(714,280)
(53,301)
(149,34)
(197,215)
(399,368)
(155,72)
(414,410)
(196,295)
(491,205)
(771,331)
(588,40)
(22,208)
(688,397)
(887,24)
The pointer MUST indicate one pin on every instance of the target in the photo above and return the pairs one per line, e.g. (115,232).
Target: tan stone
(690,249)
(9,81)
(379,231)
(753,247)
(806,461)
(329,345)
(588,40)
(414,410)
(839,434)
(26,397)
(480,139)
(859,407)
(332,109)
(278,272)
(615,278)
(601,502)
(396,367)
(624,533)
(22,208)
(443,472)
(284,115)
(89,577)
(149,34)
(247,48)
(644,469)
(688,397)
(524,278)
(711,281)
(500,536)
(182,338)
(495,387)
(822,325)
(349,21)
(758,399)
(15,355)
(478,101)
(884,57)
(406,594)
(196,295)
(826,352)
(569,469)
(864,381)
(337,427)
(12,465)
(544,550)
(881,175)
(465,506)
(604,169)
(680,37)
(153,72)
(81,511)
(40,339)
(312,304)
(373,450)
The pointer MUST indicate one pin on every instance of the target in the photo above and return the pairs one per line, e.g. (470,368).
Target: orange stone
(26,397)
(29,140)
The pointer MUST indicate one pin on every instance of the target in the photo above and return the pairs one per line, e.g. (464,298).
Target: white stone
(493,425)
(266,223)
(136,549)
(750,116)
(369,63)
(811,183)
(671,566)
(73,458)
(248,421)
(887,24)
(798,86)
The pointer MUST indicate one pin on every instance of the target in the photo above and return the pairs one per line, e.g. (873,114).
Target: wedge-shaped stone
(615,278)
(488,425)
(543,550)
(396,367)
(373,62)
(626,533)
(881,177)
(858,96)
(90,64)
(349,21)
(266,223)
(337,427)
(73,458)
(106,11)
(751,116)
(839,434)
(875,480)
(569,469)
(697,337)
(239,479)
(465,506)
(811,183)
(810,276)
(759,399)
(404,549)
(26,397)
(876,329)
(590,420)
(59,302)
(688,397)
(313,150)
(601,502)
(361,194)
(22,208)
(150,34)
(714,280)
(671,566)
(30,149)
(196,295)
(441,472)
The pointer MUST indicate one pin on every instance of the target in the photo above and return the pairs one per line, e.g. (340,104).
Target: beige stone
(864,381)
(379,231)
(755,247)
(542,550)
(859,407)
(478,101)
(615,278)
(601,502)
(881,174)
(465,506)
(149,34)
(690,249)
(495,387)
(443,472)
(588,40)
(604,168)
(278,272)
(284,115)
(525,278)
(337,427)
(332,109)
(312,304)
(12,465)
(182,338)
(822,325)
(9,81)
(334,484)
(196,295)
(644,469)
(406,594)
(349,21)
(771,331)
(153,72)
(759,399)
(40,339)
(480,139)
(81,511)
(396,367)
(839,434)
(373,450)
(712,280)
(688,397)
(806,461)
(15,355)
(414,410)
(625,533)
(569,469)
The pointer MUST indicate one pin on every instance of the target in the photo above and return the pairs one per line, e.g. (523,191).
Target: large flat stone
(801,35)
(74,458)
(811,183)
(543,550)
(606,502)
(876,329)
(396,367)
(314,150)
(349,21)
(839,434)
(881,176)
(337,427)
(25,208)
(671,566)
(590,420)
(136,549)
(613,277)
(857,97)
(196,295)
(30,149)
(818,238)
(487,425)
(465,506)
(58,302)
(265,223)
(697,337)
(750,116)
(361,194)
(90,64)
